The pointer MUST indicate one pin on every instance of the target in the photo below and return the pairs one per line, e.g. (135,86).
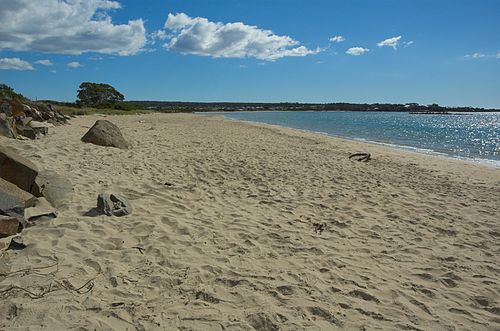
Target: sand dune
(239,226)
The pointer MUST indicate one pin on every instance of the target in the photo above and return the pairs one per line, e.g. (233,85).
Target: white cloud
(337,39)
(475,56)
(357,51)
(483,56)
(391,42)
(199,36)
(14,63)
(67,27)
(408,43)
(158,35)
(74,65)
(46,63)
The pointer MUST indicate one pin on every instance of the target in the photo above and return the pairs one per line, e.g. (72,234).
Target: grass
(74,111)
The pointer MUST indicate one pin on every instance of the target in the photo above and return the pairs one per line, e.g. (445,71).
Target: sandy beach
(239,226)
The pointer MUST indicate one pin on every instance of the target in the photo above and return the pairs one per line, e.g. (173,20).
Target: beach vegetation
(99,95)
(7,92)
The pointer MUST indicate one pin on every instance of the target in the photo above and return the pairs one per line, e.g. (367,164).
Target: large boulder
(17,169)
(57,189)
(13,202)
(12,197)
(105,133)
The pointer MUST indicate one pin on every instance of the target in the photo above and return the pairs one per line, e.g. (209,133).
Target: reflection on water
(472,136)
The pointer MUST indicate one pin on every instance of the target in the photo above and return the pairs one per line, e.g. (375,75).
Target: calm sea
(467,136)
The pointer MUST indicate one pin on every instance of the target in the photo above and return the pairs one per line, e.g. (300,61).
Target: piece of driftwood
(362,157)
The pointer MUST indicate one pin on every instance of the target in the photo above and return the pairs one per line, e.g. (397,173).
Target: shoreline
(410,149)
(250,226)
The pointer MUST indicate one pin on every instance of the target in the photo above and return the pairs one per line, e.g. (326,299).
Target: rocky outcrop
(27,119)
(18,207)
(105,133)
(17,169)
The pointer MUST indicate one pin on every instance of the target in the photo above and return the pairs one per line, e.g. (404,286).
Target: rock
(25,120)
(17,169)
(5,107)
(40,128)
(6,127)
(8,226)
(33,113)
(4,244)
(105,133)
(113,205)
(13,201)
(14,243)
(57,189)
(12,196)
(10,243)
(29,120)
(42,211)
(26,131)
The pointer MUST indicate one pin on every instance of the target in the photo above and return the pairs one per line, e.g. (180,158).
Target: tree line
(102,95)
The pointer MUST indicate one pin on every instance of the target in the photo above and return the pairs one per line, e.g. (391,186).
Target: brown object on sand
(8,226)
(362,157)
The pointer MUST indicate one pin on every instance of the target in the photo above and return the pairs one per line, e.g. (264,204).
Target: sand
(240,226)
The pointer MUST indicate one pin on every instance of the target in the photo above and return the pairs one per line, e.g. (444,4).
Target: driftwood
(54,285)
(362,157)
(42,291)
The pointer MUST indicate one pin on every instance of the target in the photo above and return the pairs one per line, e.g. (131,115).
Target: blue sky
(425,51)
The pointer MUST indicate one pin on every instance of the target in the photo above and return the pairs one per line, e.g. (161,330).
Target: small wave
(416,149)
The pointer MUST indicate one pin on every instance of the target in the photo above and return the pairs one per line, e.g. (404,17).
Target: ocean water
(472,136)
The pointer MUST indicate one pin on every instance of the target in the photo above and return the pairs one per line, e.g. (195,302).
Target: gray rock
(40,128)
(17,169)
(14,243)
(113,205)
(25,120)
(26,131)
(57,189)
(6,127)
(105,133)
(12,197)
(42,211)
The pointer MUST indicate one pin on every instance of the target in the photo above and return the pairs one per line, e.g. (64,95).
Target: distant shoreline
(229,106)
(176,106)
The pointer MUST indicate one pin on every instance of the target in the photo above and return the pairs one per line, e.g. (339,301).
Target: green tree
(98,95)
